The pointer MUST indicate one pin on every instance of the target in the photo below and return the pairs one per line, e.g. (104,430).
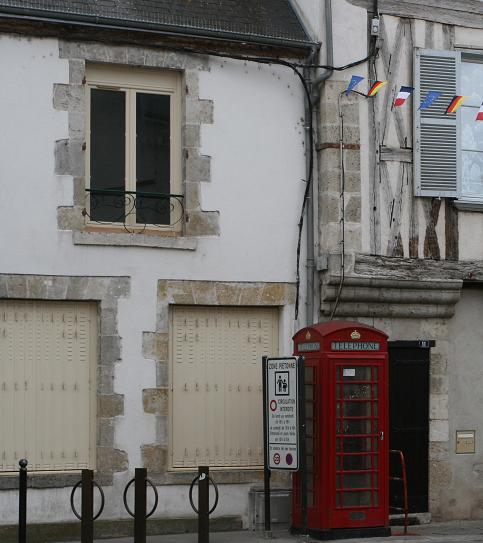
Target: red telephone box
(346,408)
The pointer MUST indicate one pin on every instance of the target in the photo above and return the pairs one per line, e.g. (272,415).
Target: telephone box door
(361,446)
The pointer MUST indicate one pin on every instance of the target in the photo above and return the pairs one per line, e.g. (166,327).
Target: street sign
(281,412)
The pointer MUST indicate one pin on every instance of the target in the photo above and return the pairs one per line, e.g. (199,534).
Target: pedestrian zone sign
(281,411)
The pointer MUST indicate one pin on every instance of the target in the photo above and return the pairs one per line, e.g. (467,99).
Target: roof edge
(57,17)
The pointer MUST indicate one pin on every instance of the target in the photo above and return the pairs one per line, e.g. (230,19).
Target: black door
(409,420)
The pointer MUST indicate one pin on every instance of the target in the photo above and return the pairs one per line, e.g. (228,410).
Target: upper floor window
(133,169)
(471,131)
(448,148)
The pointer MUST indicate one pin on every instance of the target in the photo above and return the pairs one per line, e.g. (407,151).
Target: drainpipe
(313,207)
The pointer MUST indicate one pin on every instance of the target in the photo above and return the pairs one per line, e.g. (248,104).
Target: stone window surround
(105,291)
(69,153)
(155,456)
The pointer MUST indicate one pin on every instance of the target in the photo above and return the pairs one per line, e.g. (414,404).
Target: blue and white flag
(355,80)
(431,97)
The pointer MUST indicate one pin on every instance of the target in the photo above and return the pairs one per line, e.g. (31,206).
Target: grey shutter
(437,148)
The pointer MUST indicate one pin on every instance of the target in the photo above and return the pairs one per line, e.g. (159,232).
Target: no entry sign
(282,413)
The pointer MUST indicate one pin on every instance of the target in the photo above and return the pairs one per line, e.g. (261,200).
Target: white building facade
(152,193)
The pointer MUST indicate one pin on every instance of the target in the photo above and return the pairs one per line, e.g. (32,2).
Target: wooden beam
(396,155)
(467,13)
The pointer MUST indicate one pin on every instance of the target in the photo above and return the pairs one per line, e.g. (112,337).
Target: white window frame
(467,200)
(132,80)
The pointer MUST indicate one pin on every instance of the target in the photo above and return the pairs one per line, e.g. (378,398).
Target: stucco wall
(257,169)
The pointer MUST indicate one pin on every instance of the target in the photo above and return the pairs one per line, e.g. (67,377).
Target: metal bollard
(22,502)
(87,517)
(203,504)
(140,483)
(87,506)
(203,510)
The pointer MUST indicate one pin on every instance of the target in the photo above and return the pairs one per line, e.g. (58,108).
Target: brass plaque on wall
(465,441)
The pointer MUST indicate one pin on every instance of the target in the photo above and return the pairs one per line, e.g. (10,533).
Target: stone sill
(9,481)
(133,240)
(468,206)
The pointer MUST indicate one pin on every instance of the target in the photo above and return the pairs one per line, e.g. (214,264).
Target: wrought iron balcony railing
(136,211)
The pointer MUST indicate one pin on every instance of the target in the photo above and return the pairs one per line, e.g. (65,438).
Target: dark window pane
(355,480)
(356,498)
(357,373)
(354,426)
(152,157)
(107,155)
(357,392)
(356,462)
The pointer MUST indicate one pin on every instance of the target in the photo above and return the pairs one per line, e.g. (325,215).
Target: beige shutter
(47,384)
(216,403)
(437,147)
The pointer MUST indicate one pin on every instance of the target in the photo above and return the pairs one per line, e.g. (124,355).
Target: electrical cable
(342,207)
(372,54)
(310,128)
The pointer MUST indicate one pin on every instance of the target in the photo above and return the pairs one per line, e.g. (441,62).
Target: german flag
(455,104)
(479,117)
(376,87)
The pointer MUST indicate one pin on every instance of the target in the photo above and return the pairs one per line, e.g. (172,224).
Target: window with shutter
(437,146)
(47,384)
(216,388)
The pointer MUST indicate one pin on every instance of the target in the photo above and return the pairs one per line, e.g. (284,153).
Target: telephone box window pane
(309,410)
(309,374)
(309,392)
(353,462)
(107,155)
(152,157)
(309,446)
(309,428)
(357,444)
(356,498)
(357,392)
(358,409)
(356,480)
(354,426)
(310,499)
(357,373)
(310,463)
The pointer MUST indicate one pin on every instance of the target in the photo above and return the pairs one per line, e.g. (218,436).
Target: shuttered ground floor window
(47,384)
(216,384)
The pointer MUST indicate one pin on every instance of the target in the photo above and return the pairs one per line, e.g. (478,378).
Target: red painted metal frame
(324,513)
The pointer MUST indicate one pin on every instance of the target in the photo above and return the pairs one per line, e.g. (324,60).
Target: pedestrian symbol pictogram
(282,383)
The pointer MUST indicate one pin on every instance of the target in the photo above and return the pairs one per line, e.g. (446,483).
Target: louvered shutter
(47,401)
(437,147)
(216,396)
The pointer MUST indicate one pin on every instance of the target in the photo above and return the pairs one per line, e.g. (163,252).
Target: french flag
(402,96)
(479,117)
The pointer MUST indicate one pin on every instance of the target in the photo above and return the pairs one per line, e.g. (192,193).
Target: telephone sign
(281,411)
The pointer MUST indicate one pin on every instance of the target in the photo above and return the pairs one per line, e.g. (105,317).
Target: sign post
(284,423)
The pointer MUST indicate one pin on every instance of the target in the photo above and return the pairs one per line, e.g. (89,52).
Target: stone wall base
(105,529)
